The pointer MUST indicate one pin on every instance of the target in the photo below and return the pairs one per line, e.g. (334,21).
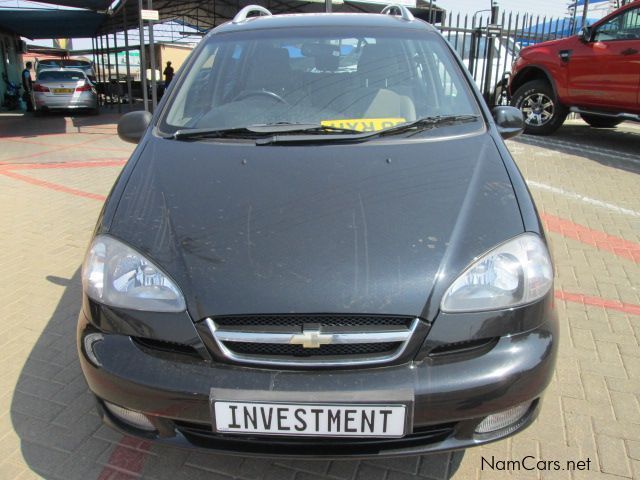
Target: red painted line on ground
(601,240)
(36,134)
(598,302)
(41,144)
(52,150)
(102,162)
(52,186)
(128,457)
(33,135)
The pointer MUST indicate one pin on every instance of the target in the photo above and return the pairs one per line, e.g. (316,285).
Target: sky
(553,8)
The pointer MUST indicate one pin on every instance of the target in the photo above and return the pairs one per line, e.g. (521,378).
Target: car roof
(311,20)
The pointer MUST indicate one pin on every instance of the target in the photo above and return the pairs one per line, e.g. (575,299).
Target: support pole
(106,38)
(126,47)
(143,61)
(94,56)
(152,58)
(585,12)
(489,63)
(93,52)
(115,49)
(327,6)
(102,74)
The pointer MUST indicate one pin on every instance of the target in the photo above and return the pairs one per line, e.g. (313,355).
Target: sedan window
(60,76)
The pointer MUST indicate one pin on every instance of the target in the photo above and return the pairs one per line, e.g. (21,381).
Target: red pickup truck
(595,74)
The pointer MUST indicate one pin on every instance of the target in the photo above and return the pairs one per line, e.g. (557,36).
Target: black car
(320,246)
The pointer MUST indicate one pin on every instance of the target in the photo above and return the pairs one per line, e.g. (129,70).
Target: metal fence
(489,44)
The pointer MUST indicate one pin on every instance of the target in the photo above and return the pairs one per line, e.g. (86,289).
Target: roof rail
(401,10)
(242,15)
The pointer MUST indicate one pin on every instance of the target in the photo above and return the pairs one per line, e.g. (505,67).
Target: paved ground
(55,171)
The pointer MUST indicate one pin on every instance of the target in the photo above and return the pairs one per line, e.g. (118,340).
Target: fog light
(89,341)
(501,420)
(130,417)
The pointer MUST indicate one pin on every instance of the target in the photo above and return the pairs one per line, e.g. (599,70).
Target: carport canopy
(101,16)
(50,23)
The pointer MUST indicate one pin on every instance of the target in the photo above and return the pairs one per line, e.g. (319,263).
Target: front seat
(270,70)
(384,81)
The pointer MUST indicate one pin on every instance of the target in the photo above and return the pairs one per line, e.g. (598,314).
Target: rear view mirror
(132,126)
(585,34)
(509,121)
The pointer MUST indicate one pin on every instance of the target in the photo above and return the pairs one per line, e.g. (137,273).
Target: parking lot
(55,172)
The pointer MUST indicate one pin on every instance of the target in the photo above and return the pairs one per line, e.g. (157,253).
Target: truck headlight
(515,273)
(116,275)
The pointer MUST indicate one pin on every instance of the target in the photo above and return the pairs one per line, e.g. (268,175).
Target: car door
(605,72)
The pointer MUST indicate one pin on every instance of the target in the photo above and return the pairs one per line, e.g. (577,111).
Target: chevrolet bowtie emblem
(311,337)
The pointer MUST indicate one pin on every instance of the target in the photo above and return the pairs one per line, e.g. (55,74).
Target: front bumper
(452,395)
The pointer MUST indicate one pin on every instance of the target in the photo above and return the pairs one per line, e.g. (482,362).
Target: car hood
(376,227)
(549,44)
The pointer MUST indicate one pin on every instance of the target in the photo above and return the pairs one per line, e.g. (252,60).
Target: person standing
(168,74)
(27,85)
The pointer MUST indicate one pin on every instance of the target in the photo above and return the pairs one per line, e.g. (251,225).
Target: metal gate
(488,45)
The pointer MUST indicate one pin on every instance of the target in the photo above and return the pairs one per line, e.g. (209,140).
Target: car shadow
(30,125)
(613,147)
(61,435)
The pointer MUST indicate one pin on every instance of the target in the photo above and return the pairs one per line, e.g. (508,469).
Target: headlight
(116,275)
(514,273)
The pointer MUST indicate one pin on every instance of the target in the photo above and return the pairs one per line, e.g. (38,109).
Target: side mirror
(132,126)
(585,34)
(509,121)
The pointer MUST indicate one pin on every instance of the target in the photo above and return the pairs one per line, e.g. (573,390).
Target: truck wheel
(542,112)
(597,121)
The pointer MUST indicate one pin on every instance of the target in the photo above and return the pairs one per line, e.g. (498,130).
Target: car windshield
(60,76)
(338,78)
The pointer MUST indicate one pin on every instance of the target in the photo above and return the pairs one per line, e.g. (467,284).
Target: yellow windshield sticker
(364,124)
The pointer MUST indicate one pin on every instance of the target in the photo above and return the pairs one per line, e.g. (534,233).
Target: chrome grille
(312,340)
(298,351)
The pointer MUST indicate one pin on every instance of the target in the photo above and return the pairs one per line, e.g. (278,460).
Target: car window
(625,26)
(60,76)
(48,64)
(332,76)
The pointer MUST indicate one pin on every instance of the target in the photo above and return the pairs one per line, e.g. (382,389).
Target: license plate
(310,419)
(62,90)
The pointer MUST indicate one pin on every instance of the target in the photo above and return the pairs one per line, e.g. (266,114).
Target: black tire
(597,121)
(500,94)
(543,113)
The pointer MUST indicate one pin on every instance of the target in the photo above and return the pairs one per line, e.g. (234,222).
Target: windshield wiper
(428,122)
(416,126)
(310,128)
(254,131)
(195,133)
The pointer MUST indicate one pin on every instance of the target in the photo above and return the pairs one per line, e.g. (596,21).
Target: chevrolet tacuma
(320,247)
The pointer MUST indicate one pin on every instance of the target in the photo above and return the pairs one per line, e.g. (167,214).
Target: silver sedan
(64,89)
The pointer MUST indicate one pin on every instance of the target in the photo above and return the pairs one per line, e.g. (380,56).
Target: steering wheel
(266,93)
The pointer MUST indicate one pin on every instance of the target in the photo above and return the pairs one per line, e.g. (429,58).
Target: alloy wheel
(538,109)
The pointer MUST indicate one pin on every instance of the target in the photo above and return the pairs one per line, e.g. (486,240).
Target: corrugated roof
(45,23)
